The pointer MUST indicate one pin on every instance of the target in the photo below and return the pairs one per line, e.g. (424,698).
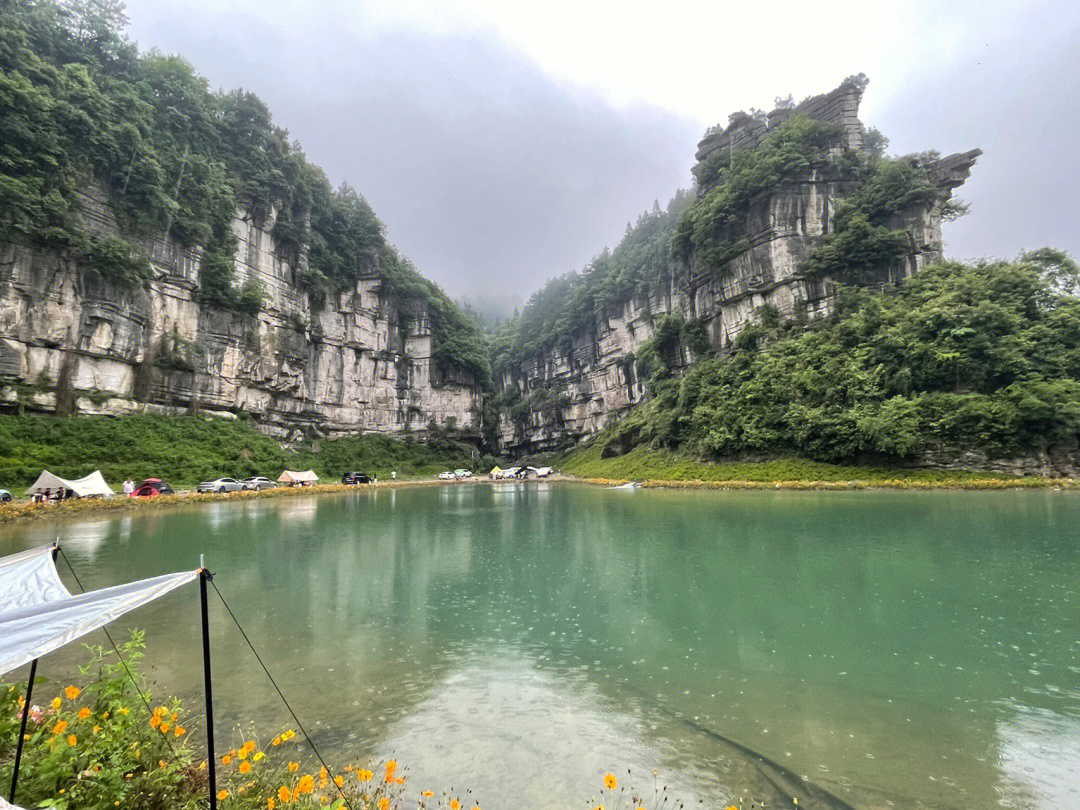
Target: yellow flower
(60,727)
(276,742)
(306,784)
(124,710)
(294,767)
(270,803)
(222,795)
(226,760)
(284,794)
(84,713)
(105,715)
(72,739)
(609,781)
(72,692)
(258,755)
(96,729)
(245,767)
(364,775)
(384,803)
(57,702)
(180,731)
(162,763)
(242,753)
(339,780)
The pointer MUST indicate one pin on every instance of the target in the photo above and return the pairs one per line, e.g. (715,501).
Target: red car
(151,488)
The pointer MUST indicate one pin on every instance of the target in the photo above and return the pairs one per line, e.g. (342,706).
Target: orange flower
(226,760)
(84,713)
(339,780)
(72,692)
(180,731)
(270,803)
(427,794)
(155,721)
(384,803)
(294,767)
(245,767)
(391,766)
(165,727)
(364,775)
(609,781)
(455,804)
(60,727)
(276,742)
(222,795)
(306,784)
(249,746)
(284,794)
(72,739)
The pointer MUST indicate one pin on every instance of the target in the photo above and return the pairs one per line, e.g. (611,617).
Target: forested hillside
(960,358)
(80,104)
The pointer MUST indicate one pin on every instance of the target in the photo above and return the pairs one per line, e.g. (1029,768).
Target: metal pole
(211,764)
(22,729)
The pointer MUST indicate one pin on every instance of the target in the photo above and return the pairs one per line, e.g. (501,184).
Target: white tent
(93,484)
(38,614)
(294,477)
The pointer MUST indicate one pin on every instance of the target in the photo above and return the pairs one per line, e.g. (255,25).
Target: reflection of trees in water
(703,616)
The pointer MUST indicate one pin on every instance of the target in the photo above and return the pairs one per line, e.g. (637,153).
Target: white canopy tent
(294,477)
(93,484)
(38,614)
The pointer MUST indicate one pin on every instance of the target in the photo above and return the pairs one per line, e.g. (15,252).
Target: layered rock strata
(595,382)
(71,343)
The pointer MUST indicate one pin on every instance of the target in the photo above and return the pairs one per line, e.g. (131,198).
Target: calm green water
(892,649)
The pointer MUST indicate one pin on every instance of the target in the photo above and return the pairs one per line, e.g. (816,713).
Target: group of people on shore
(49,495)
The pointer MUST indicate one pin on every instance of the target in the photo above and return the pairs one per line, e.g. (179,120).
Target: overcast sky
(503,143)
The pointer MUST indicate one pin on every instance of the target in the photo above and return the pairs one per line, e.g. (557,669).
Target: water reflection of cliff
(854,639)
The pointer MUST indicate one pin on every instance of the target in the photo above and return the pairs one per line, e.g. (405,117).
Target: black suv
(355,478)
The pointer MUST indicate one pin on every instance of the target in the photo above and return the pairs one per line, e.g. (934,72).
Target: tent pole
(211,763)
(22,729)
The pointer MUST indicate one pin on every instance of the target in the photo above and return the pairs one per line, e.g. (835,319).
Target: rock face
(595,382)
(72,343)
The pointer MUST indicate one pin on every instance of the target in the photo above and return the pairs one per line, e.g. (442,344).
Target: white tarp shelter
(294,477)
(93,484)
(38,614)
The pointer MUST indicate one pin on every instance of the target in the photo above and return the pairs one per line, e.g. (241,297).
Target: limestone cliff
(583,389)
(70,342)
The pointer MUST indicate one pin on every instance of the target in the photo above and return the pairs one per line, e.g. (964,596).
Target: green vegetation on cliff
(79,104)
(187,449)
(981,357)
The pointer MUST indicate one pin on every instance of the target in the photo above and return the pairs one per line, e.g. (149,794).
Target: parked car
(355,478)
(258,482)
(463,473)
(446,475)
(151,488)
(220,485)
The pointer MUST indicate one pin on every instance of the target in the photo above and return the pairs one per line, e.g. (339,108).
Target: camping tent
(294,477)
(495,473)
(90,486)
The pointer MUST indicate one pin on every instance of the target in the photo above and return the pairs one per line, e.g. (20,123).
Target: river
(880,648)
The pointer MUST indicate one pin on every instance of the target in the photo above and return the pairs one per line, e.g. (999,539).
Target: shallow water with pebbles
(864,649)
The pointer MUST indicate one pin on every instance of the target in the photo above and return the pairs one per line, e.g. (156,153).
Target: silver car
(220,485)
(258,482)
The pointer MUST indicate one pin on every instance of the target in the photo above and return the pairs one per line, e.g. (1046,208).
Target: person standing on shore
(129,487)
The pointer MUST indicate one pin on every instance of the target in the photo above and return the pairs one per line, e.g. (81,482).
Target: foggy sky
(502,147)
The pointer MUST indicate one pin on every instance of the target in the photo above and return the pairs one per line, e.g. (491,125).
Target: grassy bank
(187,449)
(676,469)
